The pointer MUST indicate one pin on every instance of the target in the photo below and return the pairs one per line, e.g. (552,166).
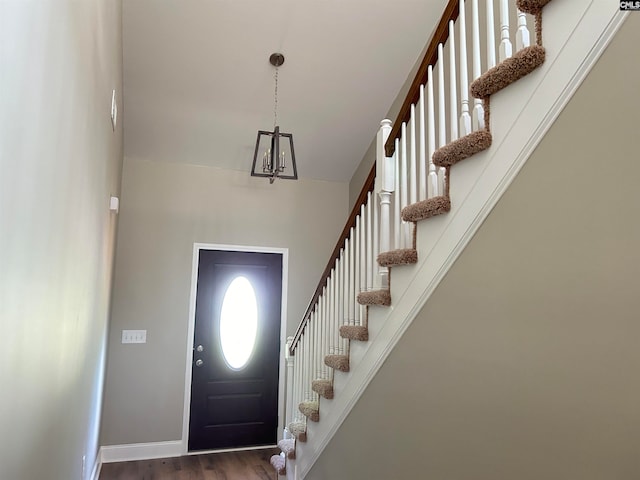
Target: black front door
(234,385)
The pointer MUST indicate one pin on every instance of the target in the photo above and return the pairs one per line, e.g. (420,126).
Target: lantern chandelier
(274,149)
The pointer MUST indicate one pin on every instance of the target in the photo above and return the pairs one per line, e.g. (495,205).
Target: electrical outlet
(134,336)
(114,110)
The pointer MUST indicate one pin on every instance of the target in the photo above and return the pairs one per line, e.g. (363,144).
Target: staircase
(440,169)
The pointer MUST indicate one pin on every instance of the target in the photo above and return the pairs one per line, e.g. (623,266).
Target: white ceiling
(198,84)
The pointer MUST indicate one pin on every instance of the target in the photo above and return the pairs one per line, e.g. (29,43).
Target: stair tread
(279,464)
(323,387)
(426,209)
(298,430)
(462,148)
(401,256)
(311,410)
(288,447)
(375,297)
(337,362)
(508,71)
(355,332)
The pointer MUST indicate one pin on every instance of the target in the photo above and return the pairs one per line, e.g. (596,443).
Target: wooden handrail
(441,35)
(351,222)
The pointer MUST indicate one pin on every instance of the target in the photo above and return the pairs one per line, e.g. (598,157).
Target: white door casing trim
(197,247)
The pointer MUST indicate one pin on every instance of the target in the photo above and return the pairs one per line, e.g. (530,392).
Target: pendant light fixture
(274,156)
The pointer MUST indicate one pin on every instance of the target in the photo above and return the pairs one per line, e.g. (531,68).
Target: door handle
(199,363)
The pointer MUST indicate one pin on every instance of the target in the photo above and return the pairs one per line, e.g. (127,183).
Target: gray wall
(364,167)
(60,161)
(166,207)
(524,363)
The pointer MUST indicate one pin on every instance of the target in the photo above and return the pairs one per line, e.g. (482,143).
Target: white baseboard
(140,451)
(97,467)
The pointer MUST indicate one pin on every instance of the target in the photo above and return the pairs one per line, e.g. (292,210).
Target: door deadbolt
(199,363)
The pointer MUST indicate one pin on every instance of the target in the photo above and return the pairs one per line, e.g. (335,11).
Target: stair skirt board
(355,332)
(298,430)
(311,410)
(337,362)
(402,256)
(462,148)
(426,209)
(288,447)
(375,297)
(279,464)
(324,388)
(509,71)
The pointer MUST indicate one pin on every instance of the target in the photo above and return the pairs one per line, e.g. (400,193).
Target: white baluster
(337,321)
(404,187)
(442,122)
(370,257)
(383,273)
(433,176)
(310,364)
(478,110)
(465,117)
(422,154)
(413,166)
(491,36)
(330,319)
(506,49)
(345,285)
(290,360)
(453,94)
(357,261)
(523,39)
(299,370)
(352,276)
(397,221)
(363,255)
(312,346)
(305,371)
(294,396)
(322,318)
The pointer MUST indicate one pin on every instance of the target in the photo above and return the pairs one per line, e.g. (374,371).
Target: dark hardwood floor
(248,465)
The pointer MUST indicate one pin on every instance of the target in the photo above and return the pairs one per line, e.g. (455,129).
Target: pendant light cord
(275,103)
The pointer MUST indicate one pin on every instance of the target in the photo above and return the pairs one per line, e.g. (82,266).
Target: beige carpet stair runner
(462,148)
(288,447)
(322,387)
(298,430)
(428,208)
(279,464)
(355,332)
(337,362)
(401,256)
(311,410)
(375,297)
(505,73)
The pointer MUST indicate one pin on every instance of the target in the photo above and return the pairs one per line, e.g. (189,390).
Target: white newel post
(385,186)
(289,382)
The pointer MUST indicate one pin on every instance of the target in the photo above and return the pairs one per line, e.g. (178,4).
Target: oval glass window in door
(238,323)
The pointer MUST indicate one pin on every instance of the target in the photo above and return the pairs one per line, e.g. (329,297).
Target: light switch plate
(134,336)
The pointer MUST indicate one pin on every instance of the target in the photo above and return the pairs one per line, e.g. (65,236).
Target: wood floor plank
(248,465)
